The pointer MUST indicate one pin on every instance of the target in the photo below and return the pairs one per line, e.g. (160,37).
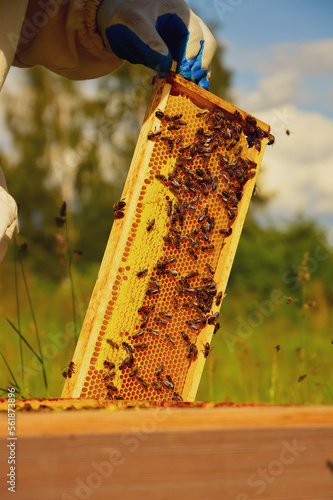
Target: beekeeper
(82,39)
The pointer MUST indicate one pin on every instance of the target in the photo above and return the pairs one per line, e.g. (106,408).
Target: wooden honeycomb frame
(113,310)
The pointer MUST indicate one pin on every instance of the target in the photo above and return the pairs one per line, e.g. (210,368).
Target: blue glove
(154,32)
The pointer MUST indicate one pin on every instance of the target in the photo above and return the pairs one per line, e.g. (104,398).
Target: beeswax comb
(154,308)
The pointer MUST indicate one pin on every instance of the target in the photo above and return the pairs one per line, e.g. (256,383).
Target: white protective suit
(79,40)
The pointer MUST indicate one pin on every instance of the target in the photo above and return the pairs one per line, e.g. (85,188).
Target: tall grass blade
(10,371)
(24,340)
(32,315)
(18,314)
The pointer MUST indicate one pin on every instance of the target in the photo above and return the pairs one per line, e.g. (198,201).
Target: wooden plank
(161,453)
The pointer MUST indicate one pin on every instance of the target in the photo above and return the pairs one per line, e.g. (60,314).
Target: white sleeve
(8,216)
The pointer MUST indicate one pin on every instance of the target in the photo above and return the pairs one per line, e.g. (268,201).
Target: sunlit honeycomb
(202,155)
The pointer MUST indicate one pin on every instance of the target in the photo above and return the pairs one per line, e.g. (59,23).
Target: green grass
(243,366)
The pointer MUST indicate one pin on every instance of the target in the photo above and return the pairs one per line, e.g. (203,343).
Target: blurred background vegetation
(73,142)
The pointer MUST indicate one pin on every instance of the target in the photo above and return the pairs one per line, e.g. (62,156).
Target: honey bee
(302,377)
(277,347)
(192,352)
(128,348)
(176,241)
(232,144)
(250,120)
(156,333)
(216,328)
(211,320)
(165,314)
(238,151)
(175,302)
(161,178)
(179,139)
(112,388)
(143,383)
(157,386)
(159,370)
(287,131)
(170,339)
(134,372)
(168,240)
(226,232)
(192,274)
(162,116)
(119,205)
(113,344)
(142,272)
(201,113)
(206,350)
(271,139)
(153,135)
(186,338)
(172,385)
(150,225)
(289,300)
(207,248)
(192,325)
(237,115)
(159,114)
(143,345)
(161,321)
(169,208)
(119,214)
(174,126)
(215,183)
(257,144)
(192,253)
(203,215)
(146,309)
(138,335)
(127,363)
(69,371)
(171,272)
(166,383)
(145,321)
(108,364)
(218,298)
(176,397)
(210,269)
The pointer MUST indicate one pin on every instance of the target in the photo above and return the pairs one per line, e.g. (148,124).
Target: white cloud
(307,58)
(299,166)
(285,73)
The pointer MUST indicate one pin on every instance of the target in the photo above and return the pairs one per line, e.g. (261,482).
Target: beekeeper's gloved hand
(8,217)
(153,32)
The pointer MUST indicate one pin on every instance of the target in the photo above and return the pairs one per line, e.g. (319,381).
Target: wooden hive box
(157,451)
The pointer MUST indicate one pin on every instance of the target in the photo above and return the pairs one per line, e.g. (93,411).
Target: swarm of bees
(192,229)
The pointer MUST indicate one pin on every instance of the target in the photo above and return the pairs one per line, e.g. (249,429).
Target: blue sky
(258,27)
(281,56)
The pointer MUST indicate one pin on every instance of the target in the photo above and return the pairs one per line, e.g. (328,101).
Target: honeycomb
(156,302)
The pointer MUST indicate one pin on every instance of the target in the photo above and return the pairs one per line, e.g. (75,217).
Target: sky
(281,56)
